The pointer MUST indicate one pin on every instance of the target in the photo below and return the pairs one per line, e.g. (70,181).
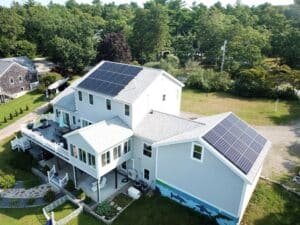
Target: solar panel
(238,142)
(110,78)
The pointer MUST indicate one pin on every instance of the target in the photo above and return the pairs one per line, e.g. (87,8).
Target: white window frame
(148,174)
(125,111)
(82,119)
(91,99)
(107,159)
(144,143)
(128,146)
(192,152)
(80,97)
(106,104)
(90,161)
(164,97)
(118,150)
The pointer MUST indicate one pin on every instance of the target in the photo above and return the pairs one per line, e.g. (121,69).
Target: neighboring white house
(121,120)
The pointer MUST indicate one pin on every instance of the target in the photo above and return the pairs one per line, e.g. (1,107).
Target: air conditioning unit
(132,174)
(134,193)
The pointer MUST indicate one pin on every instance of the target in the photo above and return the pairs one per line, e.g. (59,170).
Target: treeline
(188,42)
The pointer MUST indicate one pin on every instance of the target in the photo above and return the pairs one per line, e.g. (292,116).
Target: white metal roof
(103,135)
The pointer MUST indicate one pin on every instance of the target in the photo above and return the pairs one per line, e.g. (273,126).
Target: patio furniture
(102,184)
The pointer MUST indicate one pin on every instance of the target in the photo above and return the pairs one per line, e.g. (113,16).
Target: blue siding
(195,204)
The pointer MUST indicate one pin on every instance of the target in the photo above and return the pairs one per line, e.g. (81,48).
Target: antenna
(223,48)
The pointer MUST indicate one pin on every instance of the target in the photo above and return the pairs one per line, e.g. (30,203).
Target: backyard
(270,205)
(32,100)
(254,111)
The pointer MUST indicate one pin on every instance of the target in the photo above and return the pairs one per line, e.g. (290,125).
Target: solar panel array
(238,142)
(110,78)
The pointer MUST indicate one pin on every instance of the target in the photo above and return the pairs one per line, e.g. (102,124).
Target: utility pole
(223,48)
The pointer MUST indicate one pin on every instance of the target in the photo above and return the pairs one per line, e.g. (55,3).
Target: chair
(102,184)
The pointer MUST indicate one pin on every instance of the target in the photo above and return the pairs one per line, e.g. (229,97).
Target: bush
(70,186)
(26,108)
(45,169)
(48,79)
(11,116)
(4,119)
(80,194)
(105,209)
(30,183)
(87,200)
(16,113)
(21,111)
(30,201)
(122,200)
(14,202)
(49,196)
(208,80)
(7,181)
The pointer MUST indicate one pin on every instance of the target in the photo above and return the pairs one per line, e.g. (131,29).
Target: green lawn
(6,155)
(254,111)
(31,99)
(270,205)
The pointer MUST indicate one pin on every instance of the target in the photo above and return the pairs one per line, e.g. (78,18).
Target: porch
(110,184)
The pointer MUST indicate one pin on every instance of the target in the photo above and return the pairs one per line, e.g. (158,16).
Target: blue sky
(140,2)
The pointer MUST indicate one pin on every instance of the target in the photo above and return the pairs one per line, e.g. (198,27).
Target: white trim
(81,119)
(242,198)
(192,152)
(147,180)
(143,150)
(206,202)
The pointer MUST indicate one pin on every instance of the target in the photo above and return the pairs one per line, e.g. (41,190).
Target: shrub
(30,201)
(49,196)
(45,169)
(87,200)
(48,79)
(7,181)
(122,200)
(80,194)
(16,113)
(26,108)
(21,111)
(70,185)
(4,119)
(105,209)
(11,116)
(30,183)
(14,202)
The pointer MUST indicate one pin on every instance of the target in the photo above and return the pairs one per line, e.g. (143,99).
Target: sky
(140,2)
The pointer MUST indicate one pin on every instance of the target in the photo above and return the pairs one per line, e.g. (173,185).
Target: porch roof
(102,135)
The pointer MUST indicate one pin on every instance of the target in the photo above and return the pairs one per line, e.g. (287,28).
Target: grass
(6,155)
(64,210)
(32,100)
(272,205)
(269,205)
(254,111)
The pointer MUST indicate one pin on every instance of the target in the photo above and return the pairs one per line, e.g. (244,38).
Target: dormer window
(91,98)
(127,110)
(80,95)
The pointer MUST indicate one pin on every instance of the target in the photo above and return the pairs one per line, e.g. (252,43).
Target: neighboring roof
(4,65)
(23,61)
(157,126)
(136,86)
(57,84)
(103,135)
(67,101)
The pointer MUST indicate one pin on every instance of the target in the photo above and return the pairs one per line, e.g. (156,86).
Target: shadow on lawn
(284,207)
(293,108)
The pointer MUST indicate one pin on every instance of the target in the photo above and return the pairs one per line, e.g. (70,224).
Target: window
(91,160)
(127,146)
(124,166)
(74,151)
(105,158)
(22,89)
(146,174)
(66,118)
(20,78)
(91,98)
(164,97)
(117,152)
(85,123)
(197,152)
(108,104)
(80,95)
(11,81)
(127,110)
(82,155)
(57,113)
(74,120)
(147,150)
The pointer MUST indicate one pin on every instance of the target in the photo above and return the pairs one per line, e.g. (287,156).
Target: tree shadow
(293,115)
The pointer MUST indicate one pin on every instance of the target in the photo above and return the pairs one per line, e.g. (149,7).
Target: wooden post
(74,175)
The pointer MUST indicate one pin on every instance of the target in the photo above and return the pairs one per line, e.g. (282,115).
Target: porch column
(116,179)
(74,174)
(98,190)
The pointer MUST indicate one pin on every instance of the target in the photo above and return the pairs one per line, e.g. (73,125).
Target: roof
(135,87)
(57,84)
(103,135)
(157,126)
(234,154)
(23,61)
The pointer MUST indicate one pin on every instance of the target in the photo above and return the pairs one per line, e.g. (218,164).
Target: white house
(121,121)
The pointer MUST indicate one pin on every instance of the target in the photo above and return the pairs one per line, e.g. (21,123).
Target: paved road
(284,155)
(14,127)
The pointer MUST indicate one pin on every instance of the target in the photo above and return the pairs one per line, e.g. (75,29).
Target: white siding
(98,111)
(210,180)
(142,162)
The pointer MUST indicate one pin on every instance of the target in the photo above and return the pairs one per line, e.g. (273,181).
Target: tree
(291,52)
(114,47)
(150,32)
(184,47)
